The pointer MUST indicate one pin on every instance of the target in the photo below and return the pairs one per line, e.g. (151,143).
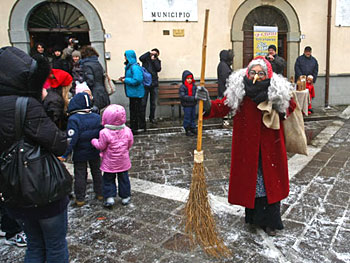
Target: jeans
(110,188)
(189,117)
(153,92)
(46,239)
(136,120)
(80,177)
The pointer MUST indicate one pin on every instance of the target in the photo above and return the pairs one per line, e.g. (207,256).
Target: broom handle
(201,83)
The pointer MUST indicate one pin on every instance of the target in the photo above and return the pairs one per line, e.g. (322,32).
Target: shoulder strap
(20,115)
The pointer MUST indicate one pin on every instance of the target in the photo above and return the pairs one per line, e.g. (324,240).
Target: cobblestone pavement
(316,214)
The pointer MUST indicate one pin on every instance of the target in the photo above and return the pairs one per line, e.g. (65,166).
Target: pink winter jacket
(115,140)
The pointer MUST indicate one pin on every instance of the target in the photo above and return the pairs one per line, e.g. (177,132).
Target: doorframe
(21,11)
(293,34)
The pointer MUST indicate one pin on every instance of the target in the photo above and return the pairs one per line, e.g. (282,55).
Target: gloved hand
(203,94)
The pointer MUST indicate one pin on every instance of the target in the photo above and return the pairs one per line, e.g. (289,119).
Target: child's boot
(126,201)
(109,202)
(194,130)
(79,203)
(188,132)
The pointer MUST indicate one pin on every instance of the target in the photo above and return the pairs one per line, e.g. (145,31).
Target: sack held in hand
(294,132)
(109,85)
(30,176)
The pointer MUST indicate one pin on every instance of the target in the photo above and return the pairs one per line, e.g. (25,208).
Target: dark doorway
(54,23)
(264,16)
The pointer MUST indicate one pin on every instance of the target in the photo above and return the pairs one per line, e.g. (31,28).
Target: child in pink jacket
(114,142)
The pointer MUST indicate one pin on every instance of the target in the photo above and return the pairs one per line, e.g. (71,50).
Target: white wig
(259,62)
(278,91)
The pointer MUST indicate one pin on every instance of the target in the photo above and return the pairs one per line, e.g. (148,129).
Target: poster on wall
(342,13)
(263,37)
(169,10)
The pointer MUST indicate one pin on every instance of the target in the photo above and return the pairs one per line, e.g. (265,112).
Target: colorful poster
(263,37)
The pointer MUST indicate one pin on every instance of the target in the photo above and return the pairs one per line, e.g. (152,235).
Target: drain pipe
(328,50)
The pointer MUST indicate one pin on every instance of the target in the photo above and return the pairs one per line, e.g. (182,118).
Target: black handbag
(31,176)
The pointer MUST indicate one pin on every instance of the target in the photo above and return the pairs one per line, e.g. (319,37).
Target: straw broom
(199,222)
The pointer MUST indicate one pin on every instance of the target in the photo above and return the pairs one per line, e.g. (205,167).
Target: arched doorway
(264,16)
(54,23)
(280,14)
(22,11)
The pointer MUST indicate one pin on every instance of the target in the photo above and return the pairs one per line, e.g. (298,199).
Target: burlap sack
(294,132)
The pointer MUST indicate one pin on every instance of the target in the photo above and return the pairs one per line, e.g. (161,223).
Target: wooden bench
(169,95)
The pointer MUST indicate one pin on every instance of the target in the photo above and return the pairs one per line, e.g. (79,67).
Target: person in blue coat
(134,90)
(83,126)
(306,65)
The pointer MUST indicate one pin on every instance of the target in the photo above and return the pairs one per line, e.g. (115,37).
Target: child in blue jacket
(187,96)
(83,125)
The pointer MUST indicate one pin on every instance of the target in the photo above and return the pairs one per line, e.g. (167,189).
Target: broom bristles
(200,225)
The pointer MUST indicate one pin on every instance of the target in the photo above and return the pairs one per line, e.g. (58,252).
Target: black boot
(188,132)
(194,130)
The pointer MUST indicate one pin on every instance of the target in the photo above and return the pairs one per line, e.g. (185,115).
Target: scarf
(258,91)
(188,85)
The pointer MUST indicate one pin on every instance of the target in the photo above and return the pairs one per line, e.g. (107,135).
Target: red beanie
(61,78)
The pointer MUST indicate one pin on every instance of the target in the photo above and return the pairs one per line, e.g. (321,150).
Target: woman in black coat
(45,226)
(94,76)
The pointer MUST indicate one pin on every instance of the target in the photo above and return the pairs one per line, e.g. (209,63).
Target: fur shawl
(278,91)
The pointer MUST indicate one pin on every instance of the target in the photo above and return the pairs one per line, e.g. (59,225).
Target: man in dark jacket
(150,61)
(25,76)
(278,63)
(306,65)
(224,70)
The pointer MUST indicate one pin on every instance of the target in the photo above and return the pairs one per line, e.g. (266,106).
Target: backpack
(147,77)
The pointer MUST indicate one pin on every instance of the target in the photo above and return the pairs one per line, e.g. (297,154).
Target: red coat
(249,136)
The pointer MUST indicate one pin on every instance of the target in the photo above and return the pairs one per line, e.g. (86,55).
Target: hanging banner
(263,37)
(169,10)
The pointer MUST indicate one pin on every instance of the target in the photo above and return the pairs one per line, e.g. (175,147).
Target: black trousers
(80,178)
(136,119)
(9,225)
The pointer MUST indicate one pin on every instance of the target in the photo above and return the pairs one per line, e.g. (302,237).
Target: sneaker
(126,201)
(20,240)
(79,203)
(109,202)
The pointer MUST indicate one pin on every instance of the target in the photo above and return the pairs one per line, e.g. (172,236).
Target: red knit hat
(60,78)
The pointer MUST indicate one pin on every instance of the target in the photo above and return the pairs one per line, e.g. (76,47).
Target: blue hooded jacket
(133,76)
(83,126)
(186,100)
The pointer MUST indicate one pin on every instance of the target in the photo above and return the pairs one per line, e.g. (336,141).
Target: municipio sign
(169,10)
